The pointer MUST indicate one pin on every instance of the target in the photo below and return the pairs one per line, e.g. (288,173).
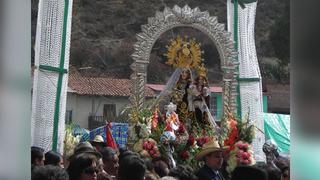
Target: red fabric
(233,136)
(109,139)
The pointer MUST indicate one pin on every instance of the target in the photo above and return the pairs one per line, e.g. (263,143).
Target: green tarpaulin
(277,128)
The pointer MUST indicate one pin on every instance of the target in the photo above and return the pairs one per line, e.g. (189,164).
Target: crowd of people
(94,161)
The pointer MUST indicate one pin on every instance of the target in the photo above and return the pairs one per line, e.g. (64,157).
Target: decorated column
(241,22)
(51,74)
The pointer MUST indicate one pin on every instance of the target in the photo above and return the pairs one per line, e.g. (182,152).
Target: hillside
(103,33)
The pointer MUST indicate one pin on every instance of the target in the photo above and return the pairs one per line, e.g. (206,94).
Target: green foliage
(70,142)
(136,115)
(245,130)
(156,133)
(278,72)
(280,37)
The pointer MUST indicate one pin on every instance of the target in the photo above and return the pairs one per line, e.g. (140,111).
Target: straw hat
(98,139)
(209,147)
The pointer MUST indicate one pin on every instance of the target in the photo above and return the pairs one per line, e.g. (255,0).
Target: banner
(277,128)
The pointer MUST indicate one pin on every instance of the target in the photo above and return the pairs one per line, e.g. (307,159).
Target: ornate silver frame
(184,17)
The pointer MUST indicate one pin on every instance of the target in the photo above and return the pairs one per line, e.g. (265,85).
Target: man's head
(110,160)
(98,142)
(37,156)
(212,154)
(85,147)
(132,167)
(83,166)
(53,158)
(214,159)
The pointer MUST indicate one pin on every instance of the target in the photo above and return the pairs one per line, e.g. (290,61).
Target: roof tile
(103,86)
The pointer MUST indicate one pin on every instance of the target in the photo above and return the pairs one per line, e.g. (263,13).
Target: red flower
(239,153)
(184,154)
(245,155)
(181,129)
(245,146)
(231,139)
(145,144)
(191,141)
(239,145)
(206,139)
(200,142)
(152,152)
(149,146)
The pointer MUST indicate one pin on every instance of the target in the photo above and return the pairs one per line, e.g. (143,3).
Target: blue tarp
(77,130)
(118,131)
(277,128)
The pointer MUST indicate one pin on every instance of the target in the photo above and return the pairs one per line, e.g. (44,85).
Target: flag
(109,139)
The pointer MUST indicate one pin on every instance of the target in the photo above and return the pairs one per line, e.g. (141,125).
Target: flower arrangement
(147,147)
(240,155)
(139,125)
(233,132)
(185,153)
(151,147)
(237,130)
(240,134)
(70,142)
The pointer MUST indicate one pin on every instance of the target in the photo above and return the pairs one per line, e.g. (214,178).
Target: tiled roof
(216,89)
(160,87)
(156,87)
(102,86)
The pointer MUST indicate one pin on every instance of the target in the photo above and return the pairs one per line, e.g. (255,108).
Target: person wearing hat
(83,162)
(84,147)
(212,155)
(98,143)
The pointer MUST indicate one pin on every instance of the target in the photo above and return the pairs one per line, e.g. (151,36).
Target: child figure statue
(169,136)
(172,123)
(201,92)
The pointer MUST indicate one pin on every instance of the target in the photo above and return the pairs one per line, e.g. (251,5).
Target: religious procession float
(177,124)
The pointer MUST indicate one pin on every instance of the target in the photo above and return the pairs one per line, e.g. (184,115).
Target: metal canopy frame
(184,17)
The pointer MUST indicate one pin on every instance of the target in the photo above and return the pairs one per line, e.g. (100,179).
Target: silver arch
(184,17)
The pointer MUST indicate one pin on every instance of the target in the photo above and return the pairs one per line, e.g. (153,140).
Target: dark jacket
(206,173)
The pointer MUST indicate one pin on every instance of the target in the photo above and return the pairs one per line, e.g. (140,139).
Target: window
(109,112)
(68,117)
(213,106)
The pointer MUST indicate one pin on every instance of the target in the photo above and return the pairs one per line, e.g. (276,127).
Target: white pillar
(249,72)
(51,56)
